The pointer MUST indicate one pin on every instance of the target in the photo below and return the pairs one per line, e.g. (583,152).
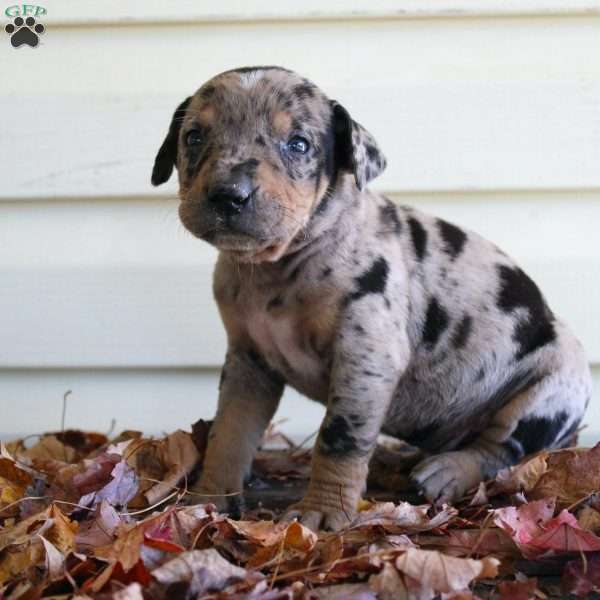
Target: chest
(296,342)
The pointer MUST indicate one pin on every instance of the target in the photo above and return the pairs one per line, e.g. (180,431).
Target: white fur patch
(249,80)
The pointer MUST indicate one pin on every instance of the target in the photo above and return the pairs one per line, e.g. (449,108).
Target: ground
(88,517)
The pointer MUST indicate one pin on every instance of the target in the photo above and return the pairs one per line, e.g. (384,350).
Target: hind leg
(543,416)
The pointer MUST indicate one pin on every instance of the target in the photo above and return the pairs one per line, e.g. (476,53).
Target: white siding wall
(489,112)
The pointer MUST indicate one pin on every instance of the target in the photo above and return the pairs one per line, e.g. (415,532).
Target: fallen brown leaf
(441,573)
(572,474)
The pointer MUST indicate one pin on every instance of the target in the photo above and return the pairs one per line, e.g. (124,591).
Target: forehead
(279,99)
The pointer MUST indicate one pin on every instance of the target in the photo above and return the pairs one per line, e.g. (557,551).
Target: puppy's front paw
(445,478)
(317,516)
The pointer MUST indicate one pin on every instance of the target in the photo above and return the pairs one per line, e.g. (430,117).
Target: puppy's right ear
(166,158)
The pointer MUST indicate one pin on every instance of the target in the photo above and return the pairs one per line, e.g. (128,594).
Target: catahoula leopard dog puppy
(397,321)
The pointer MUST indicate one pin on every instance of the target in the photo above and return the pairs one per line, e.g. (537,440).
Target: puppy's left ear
(166,158)
(356,150)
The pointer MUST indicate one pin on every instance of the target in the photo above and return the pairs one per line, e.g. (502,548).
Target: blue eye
(193,137)
(298,144)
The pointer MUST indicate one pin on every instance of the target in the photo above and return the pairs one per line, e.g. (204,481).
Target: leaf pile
(86,517)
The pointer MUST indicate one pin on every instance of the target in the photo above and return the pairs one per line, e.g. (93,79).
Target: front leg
(249,395)
(367,364)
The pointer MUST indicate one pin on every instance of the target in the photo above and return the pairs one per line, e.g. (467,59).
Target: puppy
(397,321)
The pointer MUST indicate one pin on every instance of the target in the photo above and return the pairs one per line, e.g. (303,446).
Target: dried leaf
(63,530)
(402,517)
(572,475)
(180,455)
(518,590)
(525,523)
(589,518)
(202,570)
(119,490)
(522,477)
(55,560)
(100,527)
(388,585)
(443,573)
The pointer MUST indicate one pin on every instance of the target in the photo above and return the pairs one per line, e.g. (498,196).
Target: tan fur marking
(282,122)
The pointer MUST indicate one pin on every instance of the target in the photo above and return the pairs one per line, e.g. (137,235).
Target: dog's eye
(193,137)
(298,144)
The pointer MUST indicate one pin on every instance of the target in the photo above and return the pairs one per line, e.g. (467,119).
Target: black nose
(231,197)
(227,202)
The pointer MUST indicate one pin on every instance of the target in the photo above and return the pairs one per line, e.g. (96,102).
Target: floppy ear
(166,158)
(356,150)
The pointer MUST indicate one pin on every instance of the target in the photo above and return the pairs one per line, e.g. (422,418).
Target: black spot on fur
(304,90)
(372,281)
(517,290)
(326,272)
(368,373)
(274,302)
(248,166)
(421,435)
(359,329)
(260,140)
(207,92)
(339,436)
(454,237)
(537,433)
(372,153)
(419,237)
(462,332)
(388,217)
(436,322)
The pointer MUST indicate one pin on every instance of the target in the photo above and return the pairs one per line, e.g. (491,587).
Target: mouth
(244,248)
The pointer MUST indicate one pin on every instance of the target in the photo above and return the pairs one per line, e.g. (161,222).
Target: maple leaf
(441,573)
(469,542)
(293,541)
(118,491)
(179,455)
(62,530)
(522,477)
(96,473)
(99,528)
(402,517)
(48,449)
(536,533)
(202,570)
(572,475)
(524,523)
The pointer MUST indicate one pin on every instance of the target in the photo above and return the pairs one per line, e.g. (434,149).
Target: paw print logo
(24,32)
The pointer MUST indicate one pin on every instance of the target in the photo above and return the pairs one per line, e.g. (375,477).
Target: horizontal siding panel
(64,12)
(111,283)
(155,401)
(460,104)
